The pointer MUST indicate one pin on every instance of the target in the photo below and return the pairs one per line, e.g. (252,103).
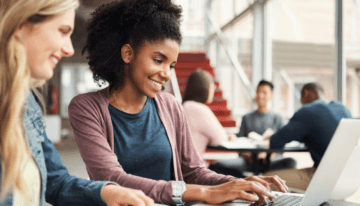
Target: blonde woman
(34,36)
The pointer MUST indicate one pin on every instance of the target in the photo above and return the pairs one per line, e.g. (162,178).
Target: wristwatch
(178,188)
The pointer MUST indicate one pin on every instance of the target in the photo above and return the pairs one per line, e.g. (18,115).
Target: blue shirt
(314,124)
(141,143)
(58,187)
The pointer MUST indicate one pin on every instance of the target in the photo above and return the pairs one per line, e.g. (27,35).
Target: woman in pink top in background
(205,127)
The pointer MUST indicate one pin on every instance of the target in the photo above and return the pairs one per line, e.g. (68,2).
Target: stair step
(218,102)
(182,88)
(182,83)
(188,66)
(193,63)
(184,73)
(192,56)
(220,110)
(218,93)
(227,121)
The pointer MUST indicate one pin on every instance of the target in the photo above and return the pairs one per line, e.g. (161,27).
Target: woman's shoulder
(166,99)
(99,97)
(195,105)
(97,100)
(168,105)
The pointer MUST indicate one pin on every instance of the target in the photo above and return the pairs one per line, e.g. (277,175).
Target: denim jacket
(58,187)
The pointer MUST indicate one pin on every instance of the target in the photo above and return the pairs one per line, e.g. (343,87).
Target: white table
(244,203)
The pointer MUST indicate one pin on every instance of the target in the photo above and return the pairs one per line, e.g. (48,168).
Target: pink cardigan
(91,122)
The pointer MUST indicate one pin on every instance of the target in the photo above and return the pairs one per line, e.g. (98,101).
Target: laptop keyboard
(282,200)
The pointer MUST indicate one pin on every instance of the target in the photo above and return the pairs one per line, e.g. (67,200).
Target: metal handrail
(175,86)
(238,68)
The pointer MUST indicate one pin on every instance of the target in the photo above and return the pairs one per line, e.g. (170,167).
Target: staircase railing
(175,86)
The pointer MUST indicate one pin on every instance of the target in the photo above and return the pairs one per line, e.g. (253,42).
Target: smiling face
(263,95)
(151,66)
(46,43)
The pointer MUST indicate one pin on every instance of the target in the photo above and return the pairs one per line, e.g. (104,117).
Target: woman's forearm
(194,193)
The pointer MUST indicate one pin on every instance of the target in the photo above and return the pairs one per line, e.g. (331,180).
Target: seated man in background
(262,118)
(314,124)
(264,122)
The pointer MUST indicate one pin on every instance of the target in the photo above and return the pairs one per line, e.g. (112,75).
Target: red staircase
(188,62)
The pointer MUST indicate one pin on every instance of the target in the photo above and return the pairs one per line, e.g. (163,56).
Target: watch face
(178,189)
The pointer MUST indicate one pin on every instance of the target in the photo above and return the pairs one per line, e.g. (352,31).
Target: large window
(75,79)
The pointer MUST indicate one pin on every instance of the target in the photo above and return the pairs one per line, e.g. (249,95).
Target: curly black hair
(131,22)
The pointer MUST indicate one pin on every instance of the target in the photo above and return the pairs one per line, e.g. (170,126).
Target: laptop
(341,147)
(337,175)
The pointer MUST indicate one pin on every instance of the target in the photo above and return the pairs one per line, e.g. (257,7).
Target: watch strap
(177,199)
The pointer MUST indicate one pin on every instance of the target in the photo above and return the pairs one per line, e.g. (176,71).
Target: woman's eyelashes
(65,31)
(159,61)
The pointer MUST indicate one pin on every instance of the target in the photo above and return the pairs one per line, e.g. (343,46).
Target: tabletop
(259,149)
(245,203)
(246,145)
(255,147)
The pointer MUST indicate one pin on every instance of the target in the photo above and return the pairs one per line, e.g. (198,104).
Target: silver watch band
(178,200)
(179,187)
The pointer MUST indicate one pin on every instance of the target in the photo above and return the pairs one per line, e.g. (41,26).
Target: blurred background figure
(205,127)
(264,122)
(314,124)
(262,118)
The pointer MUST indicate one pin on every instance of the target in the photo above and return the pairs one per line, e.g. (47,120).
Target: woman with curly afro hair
(135,134)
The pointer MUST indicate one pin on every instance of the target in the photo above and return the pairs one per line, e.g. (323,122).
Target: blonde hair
(15,82)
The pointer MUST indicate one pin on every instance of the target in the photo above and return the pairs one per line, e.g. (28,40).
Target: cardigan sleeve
(87,121)
(193,167)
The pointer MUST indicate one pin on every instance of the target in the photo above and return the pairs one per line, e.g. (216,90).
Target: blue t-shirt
(141,143)
(314,124)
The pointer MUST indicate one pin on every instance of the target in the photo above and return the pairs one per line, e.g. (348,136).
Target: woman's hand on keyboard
(267,180)
(114,195)
(236,189)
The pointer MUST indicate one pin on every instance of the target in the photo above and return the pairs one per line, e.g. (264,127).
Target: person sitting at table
(314,124)
(264,121)
(133,133)
(261,119)
(204,126)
